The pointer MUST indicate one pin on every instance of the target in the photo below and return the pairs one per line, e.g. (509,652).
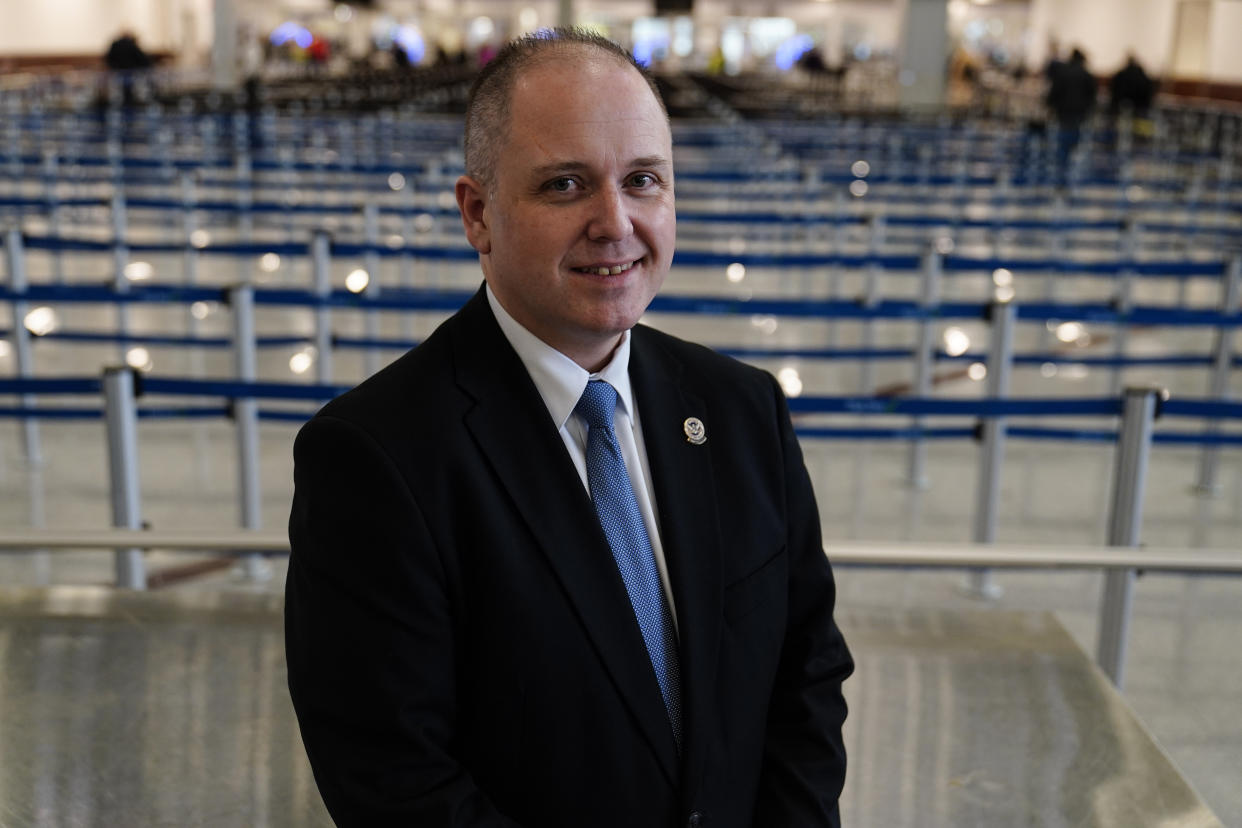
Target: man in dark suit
(471,639)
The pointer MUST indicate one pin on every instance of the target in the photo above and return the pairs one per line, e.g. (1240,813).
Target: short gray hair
(487,110)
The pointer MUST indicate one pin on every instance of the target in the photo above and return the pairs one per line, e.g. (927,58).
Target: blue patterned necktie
(631,547)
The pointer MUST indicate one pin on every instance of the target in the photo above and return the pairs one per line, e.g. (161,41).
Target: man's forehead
(569,94)
(576,64)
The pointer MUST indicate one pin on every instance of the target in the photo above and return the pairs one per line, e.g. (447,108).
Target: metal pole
(321,265)
(1139,411)
(371,260)
(839,236)
(992,452)
(1056,247)
(408,279)
(121,422)
(189,260)
(120,258)
(246,416)
(924,365)
(1218,384)
(1124,298)
(871,298)
(51,173)
(15,256)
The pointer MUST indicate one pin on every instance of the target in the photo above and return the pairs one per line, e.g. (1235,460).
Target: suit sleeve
(804,753)
(369,639)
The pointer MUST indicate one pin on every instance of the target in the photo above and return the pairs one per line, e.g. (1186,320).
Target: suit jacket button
(695,820)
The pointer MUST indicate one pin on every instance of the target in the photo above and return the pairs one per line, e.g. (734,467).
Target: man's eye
(562,185)
(642,180)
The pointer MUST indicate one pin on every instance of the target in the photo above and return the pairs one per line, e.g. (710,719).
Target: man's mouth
(605,270)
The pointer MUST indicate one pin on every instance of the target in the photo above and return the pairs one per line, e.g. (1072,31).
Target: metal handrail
(863,554)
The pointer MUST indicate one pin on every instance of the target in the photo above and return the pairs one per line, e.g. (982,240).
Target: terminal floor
(1184,668)
(124,708)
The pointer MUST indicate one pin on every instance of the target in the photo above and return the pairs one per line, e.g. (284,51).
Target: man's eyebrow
(558,168)
(651,161)
(563,167)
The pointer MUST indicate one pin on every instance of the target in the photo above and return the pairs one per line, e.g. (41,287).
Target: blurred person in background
(1071,97)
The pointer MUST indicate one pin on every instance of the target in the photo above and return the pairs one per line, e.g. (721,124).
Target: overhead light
(139,359)
(302,361)
(790,380)
(41,321)
(357,281)
(956,341)
(139,271)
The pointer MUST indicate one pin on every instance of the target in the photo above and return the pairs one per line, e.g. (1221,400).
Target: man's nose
(610,216)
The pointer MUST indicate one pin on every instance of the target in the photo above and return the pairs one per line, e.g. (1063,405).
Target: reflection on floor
(170,708)
(992,718)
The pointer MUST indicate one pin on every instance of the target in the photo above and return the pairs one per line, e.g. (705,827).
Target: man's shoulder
(407,395)
(720,381)
(700,360)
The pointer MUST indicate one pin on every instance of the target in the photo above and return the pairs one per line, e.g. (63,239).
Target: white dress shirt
(560,382)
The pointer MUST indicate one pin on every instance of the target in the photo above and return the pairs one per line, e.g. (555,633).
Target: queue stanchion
(839,238)
(1224,173)
(924,169)
(120,258)
(245,201)
(15,258)
(1218,382)
(121,423)
(871,298)
(1000,196)
(993,433)
(321,268)
(288,178)
(433,175)
(189,225)
(1140,407)
(409,230)
(1124,299)
(51,202)
(924,365)
(13,142)
(40,560)
(1057,244)
(371,262)
(246,418)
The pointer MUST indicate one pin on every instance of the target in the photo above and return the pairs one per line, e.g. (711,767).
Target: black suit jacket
(461,647)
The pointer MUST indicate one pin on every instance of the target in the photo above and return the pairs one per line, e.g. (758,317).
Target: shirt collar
(559,380)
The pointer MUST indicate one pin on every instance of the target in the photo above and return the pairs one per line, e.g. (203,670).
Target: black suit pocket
(763,586)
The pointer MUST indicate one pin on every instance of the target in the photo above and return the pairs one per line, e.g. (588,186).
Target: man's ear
(472,201)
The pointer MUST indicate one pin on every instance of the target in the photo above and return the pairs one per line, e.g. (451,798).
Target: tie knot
(597,404)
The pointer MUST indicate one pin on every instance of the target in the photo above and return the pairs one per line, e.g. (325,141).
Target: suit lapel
(689,530)
(511,426)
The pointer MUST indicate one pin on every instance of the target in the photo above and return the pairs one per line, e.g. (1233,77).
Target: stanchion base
(921,484)
(982,586)
(253,568)
(1209,491)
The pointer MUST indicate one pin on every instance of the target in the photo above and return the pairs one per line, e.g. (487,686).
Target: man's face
(577,231)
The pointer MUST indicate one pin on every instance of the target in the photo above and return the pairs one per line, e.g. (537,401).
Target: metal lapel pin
(696,434)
